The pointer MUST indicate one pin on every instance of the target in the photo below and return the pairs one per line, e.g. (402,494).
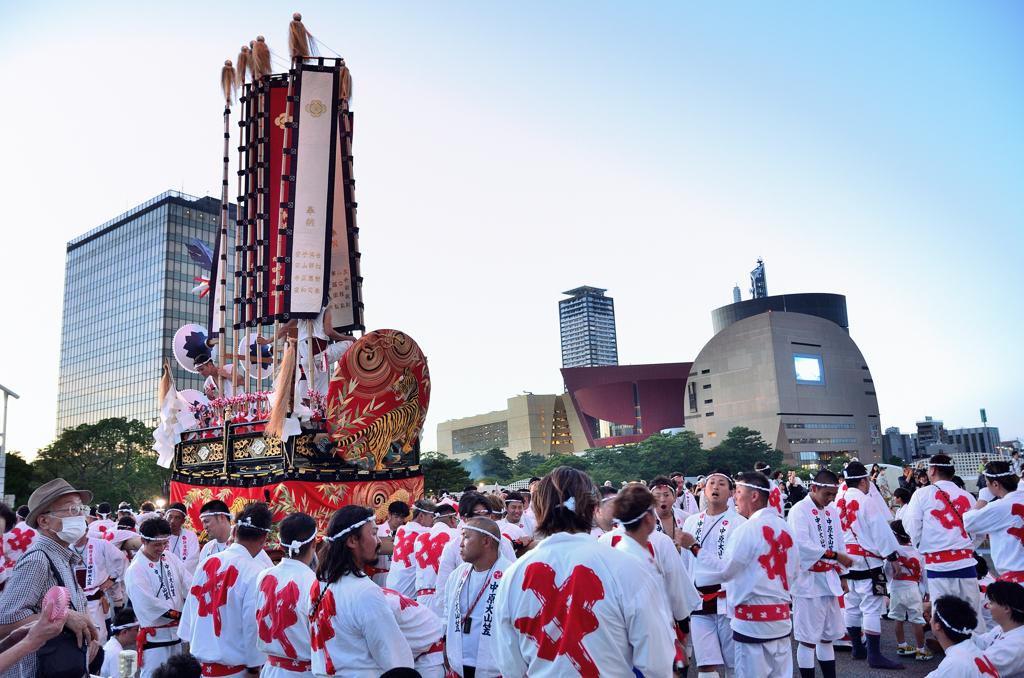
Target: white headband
(856,477)
(248,523)
(815,482)
(720,475)
(997,475)
(124,626)
(353,526)
(569,503)
(962,632)
(215,513)
(630,522)
(753,487)
(481,531)
(153,538)
(176,509)
(609,498)
(939,464)
(102,515)
(297,545)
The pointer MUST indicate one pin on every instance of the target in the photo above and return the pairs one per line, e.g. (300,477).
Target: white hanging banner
(312,213)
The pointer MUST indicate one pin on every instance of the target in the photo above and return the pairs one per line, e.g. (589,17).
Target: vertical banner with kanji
(311,215)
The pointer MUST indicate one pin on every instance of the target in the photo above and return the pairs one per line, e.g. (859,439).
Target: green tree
(661,455)
(493,463)
(836,465)
(561,460)
(741,448)
(614,463)
(896,461)
(524,465)
(18,478)
(112,458)
(442,473)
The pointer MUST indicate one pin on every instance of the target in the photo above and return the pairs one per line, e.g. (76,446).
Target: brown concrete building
(796,377)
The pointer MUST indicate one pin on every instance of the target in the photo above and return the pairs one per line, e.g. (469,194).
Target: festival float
(292,261)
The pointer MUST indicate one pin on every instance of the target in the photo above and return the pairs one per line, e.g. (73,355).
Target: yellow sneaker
(923,655)
(908,651)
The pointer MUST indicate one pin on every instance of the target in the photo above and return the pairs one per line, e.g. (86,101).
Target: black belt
(153,646)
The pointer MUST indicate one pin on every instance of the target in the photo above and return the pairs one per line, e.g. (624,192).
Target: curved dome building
(796,377)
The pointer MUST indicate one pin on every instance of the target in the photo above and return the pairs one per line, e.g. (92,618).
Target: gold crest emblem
(279,120)
(316,108)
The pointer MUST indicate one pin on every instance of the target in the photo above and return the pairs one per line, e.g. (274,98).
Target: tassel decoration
(165,386)
(345,90)
(300,41)
(227,82)
(260,59)
(244,59)
(283,390)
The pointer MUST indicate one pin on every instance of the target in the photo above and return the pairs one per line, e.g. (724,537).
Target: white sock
(708,674)
(825,652)
(804,656)
(901,645)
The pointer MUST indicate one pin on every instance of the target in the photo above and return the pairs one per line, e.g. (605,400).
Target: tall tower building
(127,289)
(758,282)
(737,296)
(587,320)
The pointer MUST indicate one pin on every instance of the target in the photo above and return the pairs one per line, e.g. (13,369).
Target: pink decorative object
(60,598)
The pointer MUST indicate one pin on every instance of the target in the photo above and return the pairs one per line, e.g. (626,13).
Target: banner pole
(223,265)
(276,270)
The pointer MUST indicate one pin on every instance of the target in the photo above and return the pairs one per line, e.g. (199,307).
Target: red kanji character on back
(321,628)
(912,567)
(20,539)
(570,607)
(775,498)
(774,562)
(403,601)
(404,546)
(848,513)
(213,594)
(948,518)
(429,552)
(278,613)
(984,665)
(1017,532)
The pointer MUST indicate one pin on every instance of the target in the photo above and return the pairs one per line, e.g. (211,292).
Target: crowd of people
(565,578)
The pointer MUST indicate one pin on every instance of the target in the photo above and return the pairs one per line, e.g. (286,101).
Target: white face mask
(72,529)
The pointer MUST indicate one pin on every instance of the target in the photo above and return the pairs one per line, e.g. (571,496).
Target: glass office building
(587,321)
(127,289)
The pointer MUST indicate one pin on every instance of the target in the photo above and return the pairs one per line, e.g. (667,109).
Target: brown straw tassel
(243,66)
(165,386)
(345,90)
(283,387)
(227,82)
(300,41)
(260,59)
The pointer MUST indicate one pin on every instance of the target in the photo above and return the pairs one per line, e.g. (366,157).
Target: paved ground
(848,668)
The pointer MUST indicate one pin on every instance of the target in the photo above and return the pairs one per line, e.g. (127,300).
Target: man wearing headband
(282,602)
(512,526)
(123,634)
(1002,520)
(469,600)
(759,569)
(818,619)
(610,607)
(398,513)
(103,525)
(685,501)
(1004,645)
(471,505)
(711,529)
(953,621)
(216,519)
(402,575)
(220,622)
(427,556)
(935,522)
(775,500)
(670,519)
(604,518)
(157,584)
(353,630)
(636,535)
(870,543)
(183,542)
(208,369)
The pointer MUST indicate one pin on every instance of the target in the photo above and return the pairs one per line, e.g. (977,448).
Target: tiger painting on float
(398,425)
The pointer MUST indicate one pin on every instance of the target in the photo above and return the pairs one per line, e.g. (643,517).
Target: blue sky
(507,152)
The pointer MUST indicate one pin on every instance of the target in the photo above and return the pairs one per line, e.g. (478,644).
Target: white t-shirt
(470,641)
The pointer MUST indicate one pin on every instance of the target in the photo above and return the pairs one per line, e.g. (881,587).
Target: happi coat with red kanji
(282,618)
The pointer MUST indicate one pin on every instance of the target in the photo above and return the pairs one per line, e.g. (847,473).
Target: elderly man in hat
(57,512)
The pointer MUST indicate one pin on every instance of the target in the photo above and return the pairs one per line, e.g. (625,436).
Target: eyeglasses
(73,511)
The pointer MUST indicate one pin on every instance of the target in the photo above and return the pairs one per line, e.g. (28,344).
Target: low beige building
(798,379)
(539,424)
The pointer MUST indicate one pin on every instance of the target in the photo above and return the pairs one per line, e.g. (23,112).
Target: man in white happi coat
(818,619)
(282,602)
(353,629)
(776,499)
(427,557)
(123,635)
(102,565)
(103,525)
(183,542)
(422,629)
(758,569)
(1004,644)
(870,543)
(685,501)
(636,535)
(398,513)
(328,346)
(529,518)
(711,529)
(469,601)
(157,584)
(573,606)
(220,621)
(17,542)
(471,505)
(934,520)
(402,575)
(670,519)
(216,519)
(1002,521)
(953,621)
(604,517)
(513,526)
